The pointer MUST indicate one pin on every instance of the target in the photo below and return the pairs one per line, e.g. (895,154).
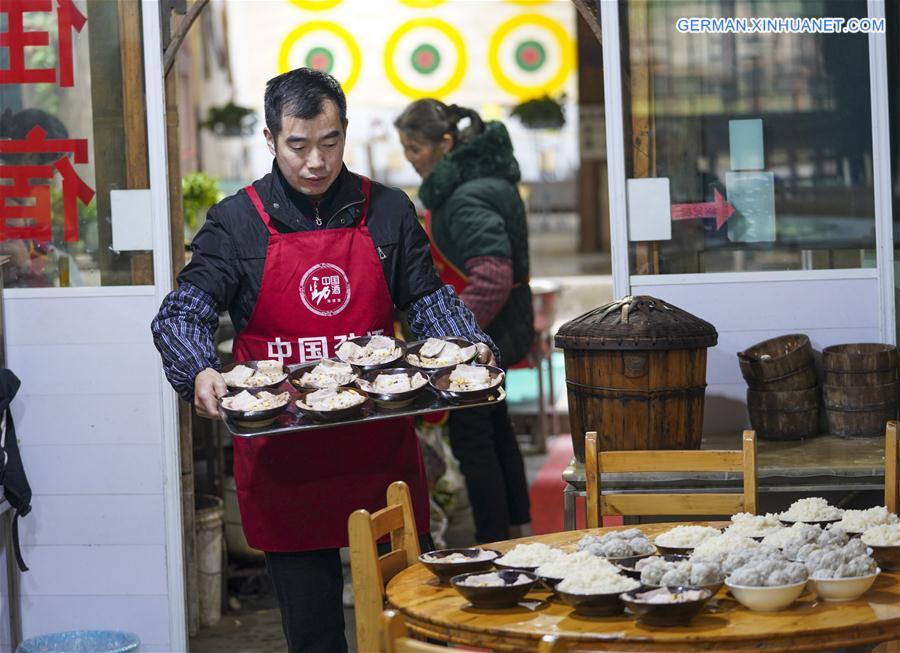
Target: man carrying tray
(303,259)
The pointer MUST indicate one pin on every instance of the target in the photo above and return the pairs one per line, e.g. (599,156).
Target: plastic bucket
(234,531)
(81,641)
(208,520)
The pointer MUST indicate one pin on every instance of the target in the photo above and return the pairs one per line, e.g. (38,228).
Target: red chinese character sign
(16,38)
(25,207)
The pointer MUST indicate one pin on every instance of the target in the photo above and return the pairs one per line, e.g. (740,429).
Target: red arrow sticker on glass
(719,209)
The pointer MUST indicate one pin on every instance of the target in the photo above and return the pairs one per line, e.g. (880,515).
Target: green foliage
(230,120)
(541,113)
(199,192)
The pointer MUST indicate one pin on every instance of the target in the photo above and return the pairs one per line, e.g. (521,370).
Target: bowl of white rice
(884,540)
(856,522)
(528,556)
(569,564)
(447,563)
(684,539)
(494,589)
(595,592)
(811,510)
(745,524)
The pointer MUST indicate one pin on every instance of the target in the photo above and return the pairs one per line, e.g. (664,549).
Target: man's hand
(208,387)
(484,356)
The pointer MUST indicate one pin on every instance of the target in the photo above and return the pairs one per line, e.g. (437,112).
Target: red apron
(448,272)
(296,492)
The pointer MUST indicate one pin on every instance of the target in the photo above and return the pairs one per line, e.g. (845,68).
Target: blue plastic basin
(81,641)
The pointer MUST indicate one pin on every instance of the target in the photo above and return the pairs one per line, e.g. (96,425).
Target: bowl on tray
(498,596)
(339,414)
(440,381)
(362,341)
(677,611)
(391,400)
(253,419)
(465,561)
(412,349)
(298,372)
(253,366)
(842,589)
(766,599)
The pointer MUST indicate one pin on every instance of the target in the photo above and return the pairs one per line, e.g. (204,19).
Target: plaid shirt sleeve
(442,313)
(183,333)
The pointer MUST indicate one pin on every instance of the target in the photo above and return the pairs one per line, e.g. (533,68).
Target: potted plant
(541,113)
(199,191)
(230,120)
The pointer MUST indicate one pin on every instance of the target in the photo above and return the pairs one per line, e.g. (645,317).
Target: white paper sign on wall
(132,220)
(649,209)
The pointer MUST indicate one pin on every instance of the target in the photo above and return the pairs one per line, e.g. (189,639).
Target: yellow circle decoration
(422,4)
(316,5)
(411,91)
(566,48)
(291,39)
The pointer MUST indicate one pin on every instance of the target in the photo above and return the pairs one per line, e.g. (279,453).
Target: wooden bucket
(784,415)
(859,411)
(783,363)
(860,364)
(636,399)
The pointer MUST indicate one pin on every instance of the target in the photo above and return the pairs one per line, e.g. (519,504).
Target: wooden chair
(396,639)
(598,463)
(891,455)
(371,571)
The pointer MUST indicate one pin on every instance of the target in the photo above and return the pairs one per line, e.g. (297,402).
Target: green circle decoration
(426,59)
(320,59)
(530,55)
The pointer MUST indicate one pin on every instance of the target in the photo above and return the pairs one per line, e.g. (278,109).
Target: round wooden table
(439,612)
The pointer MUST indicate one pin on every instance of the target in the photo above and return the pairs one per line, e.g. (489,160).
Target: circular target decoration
(425,57)
(316,5)
(531,55)
(322,45)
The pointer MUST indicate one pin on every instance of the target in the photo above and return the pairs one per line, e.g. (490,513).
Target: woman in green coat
(479,241)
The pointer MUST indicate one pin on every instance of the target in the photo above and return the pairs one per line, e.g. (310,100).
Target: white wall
(831,307)
(88,417)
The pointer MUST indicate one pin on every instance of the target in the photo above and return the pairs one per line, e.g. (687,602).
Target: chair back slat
(387,520)
(371,571)
(597,463)
(671,461)
(672,504)
(397,640)
(891,463)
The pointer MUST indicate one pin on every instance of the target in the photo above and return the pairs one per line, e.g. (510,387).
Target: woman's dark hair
(300,93)
(428,120)
(15,126)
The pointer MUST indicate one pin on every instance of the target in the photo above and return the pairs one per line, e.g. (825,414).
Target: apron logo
(325,289)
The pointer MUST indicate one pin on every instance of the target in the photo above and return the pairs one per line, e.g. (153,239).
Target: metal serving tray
(293,421)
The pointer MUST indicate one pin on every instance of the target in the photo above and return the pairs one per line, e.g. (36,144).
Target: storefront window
(72,130)
(775,125)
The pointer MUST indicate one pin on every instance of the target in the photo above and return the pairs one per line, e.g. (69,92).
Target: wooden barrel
(637,400)
(782,363)
(784,415)
(860,364)
(859,411)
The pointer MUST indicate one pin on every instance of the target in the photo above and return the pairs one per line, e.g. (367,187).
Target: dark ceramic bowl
(447,570)
(253,419)
(665,614)
(343,414)
(362,341)
(627,565)
(822,524)
(414,347)
(887,557)
(594,605)
(675,550)
(252,365)
(550,582)
(393,399)
(504,596)
(500,565)
(440,381)
(299,371)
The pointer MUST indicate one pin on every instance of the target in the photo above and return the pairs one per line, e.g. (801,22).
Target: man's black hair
(300,93)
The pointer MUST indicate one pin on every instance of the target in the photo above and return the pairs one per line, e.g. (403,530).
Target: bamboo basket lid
(636,323)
